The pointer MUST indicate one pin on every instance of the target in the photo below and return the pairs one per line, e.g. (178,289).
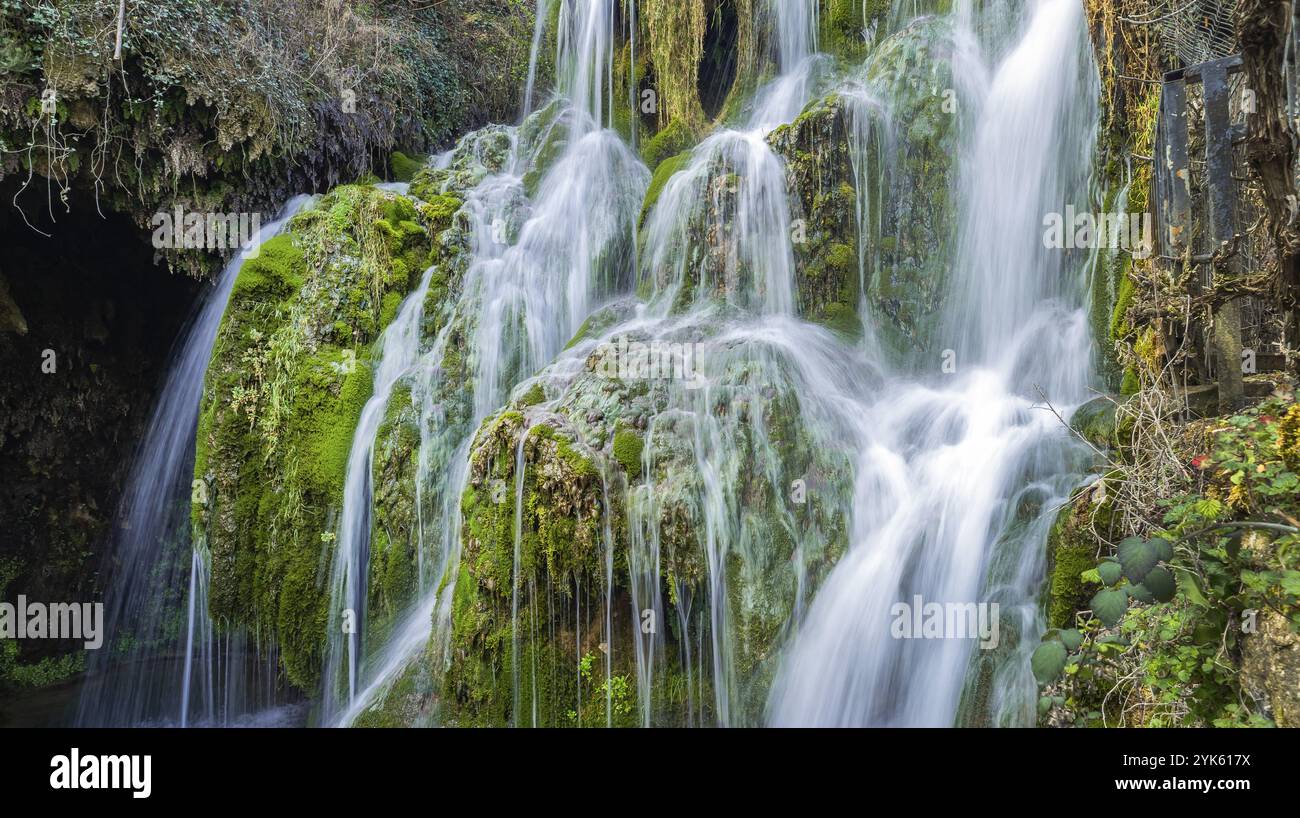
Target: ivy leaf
(1137,558)
(1109,606)
(1048,661)
(1110,572)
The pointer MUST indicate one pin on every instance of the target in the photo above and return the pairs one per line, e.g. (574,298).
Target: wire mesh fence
(1197,31)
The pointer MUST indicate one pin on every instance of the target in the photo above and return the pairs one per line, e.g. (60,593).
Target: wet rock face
(915,207)
(870,176)
(90,325)
(1270,669)
(290,375)
(819,167)
(612,514)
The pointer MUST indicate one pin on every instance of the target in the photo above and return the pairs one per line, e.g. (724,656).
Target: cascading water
(930,483)
(143,676)
(959,479)
(399,351)
(544,252)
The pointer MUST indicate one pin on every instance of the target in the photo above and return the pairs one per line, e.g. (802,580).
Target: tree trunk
(1263,27)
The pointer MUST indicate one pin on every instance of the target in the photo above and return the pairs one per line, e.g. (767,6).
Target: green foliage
(1181,640)
(628,446)
(1071,638)
(614,696)
(1109,606)
(669,142)
(1137,558)
(1161,584)
(1110,572)
(1048,661)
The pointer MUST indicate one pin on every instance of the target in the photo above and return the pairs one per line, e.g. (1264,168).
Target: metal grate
(1200,30)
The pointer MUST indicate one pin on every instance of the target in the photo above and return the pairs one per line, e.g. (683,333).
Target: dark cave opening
(719,67)
(87,322)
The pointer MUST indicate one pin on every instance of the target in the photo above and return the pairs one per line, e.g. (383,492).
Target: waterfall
(947,481)
(889,474)
(141,676)
(543,255)
(960,475)
(399,351)
(799,66)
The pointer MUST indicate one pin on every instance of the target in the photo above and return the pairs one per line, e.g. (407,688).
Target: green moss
(404,167)
(844,22)
(674,139)
(274,274)
(665,171)
(438,210)
(1072,550)
(554,143)
(289,378)
(843,319)
(628,447)
(535,395)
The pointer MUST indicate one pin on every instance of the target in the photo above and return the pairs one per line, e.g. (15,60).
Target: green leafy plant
(1162,640)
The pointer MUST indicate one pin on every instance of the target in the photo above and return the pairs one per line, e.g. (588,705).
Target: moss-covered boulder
(1072,549)
(869,171)
(816,149)
(912,205)
(614,524)
(289,376)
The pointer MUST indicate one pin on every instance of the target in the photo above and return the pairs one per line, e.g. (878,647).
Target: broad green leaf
(1137,558)
(1164,549)
(1072,639)
(1161,584)
(1110,572)
(1109,606)
(1048,661)
(1141,593)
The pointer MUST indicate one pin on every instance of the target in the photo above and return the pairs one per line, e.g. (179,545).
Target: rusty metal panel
(1173,167)
(1218,152)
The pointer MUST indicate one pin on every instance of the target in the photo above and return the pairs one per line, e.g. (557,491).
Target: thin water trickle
(399,349)
(152,555)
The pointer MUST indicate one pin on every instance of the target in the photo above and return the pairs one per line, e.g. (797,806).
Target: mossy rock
(404,167)
(1072,549)
(1096,421)
(664,171)
(677,137)
(628,446)
(289,377)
